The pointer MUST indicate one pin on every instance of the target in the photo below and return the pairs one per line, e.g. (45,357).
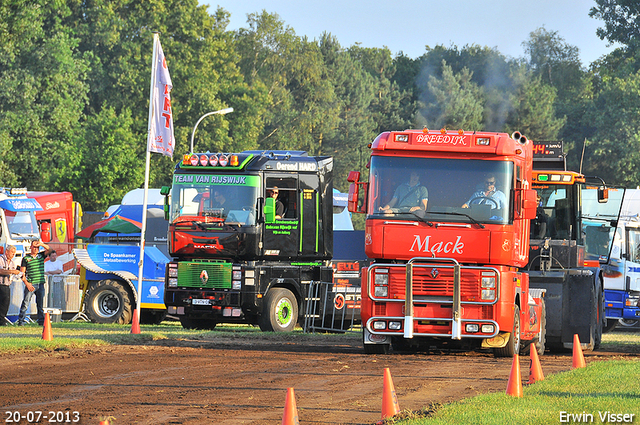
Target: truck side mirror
(354,177)
(165,190)
(45,231)
(603,194)
(529,204)
(269,210)
(352,200)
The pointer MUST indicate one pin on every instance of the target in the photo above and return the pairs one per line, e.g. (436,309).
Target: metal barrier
(332,308)
(62,292)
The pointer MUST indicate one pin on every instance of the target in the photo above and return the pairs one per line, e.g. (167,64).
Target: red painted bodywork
(57,218)
(501,248)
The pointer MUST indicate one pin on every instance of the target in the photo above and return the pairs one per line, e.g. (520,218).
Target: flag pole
(154,64)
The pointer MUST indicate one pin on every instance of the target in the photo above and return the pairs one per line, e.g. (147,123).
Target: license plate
(200,302)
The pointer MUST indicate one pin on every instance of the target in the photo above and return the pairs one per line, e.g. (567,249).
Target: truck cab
(447,228)
(18,223)
(571,238)
(235,258)
(622,270)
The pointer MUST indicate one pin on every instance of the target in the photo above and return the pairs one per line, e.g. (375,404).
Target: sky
(409,25)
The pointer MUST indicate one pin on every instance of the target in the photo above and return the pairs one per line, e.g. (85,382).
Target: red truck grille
(428,283)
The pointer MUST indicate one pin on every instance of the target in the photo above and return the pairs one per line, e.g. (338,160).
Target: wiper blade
(430,224)
(473,220)
(206,226)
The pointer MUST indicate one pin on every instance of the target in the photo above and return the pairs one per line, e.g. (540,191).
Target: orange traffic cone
(514,385)
(389,399)
(535,370)
(290,416)
(578,357)
(46,331)
(135,322)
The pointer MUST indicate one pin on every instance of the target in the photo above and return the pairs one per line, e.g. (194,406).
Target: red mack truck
(447,231)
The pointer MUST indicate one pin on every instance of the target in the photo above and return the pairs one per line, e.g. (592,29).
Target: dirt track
(227,380)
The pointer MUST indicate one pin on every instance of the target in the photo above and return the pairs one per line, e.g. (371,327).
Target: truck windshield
(22,223)
(633,244)
(222,202)
(436,189)
(599,221)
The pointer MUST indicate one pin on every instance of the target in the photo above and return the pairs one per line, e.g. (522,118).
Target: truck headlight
(381,282)
(395,326)
(173,282)
(382,277)
(488,282)
(488,294)
(379,325)
(488,329)
(381,291)
(236,284)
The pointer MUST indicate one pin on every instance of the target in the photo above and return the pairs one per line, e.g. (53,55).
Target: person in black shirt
(273,193)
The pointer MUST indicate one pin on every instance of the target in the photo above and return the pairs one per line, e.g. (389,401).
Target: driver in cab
(411,197)
(488,195)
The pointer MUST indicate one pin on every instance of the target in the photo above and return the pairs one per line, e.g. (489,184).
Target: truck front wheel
(107,301)
(279,311)
(513,345)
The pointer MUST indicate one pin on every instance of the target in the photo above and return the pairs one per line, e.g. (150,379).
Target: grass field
(69,335)
(590,394)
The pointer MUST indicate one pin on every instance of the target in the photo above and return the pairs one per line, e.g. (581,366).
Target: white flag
(161,139)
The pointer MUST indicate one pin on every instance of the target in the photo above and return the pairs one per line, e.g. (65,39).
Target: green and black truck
(239,253)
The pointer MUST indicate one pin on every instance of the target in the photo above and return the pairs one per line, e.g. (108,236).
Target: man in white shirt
(8,268)
(53,266)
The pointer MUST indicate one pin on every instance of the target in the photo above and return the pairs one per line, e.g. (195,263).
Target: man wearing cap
(8,268)
(33,276)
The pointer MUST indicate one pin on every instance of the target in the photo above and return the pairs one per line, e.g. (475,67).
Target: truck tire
(542,337)
(600,317)
(513,345)
(279,311)
(205,324)
(108,301)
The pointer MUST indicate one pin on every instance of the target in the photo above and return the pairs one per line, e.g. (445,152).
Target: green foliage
(613,150)
(620,20)
(74,90)
(457,101)
(533,113)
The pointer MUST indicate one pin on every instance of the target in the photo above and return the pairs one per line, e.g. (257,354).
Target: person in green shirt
(32,269)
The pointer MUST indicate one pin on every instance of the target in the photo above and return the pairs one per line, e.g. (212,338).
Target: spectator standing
(33,276)
(53,266)
(8,268)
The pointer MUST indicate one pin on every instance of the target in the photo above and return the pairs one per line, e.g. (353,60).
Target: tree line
(75,76)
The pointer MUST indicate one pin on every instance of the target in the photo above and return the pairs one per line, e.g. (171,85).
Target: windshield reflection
(441,189)
(22,223)
(206,204)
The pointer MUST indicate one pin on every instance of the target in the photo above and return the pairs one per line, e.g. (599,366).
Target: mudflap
(571,306)
(533,325)
(369,338)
